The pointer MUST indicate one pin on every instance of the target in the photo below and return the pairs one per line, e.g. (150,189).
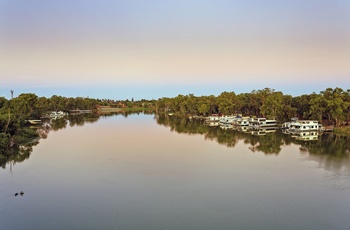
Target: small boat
(34,122)
(57,114)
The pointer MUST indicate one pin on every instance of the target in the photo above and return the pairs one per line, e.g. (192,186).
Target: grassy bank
(344,130)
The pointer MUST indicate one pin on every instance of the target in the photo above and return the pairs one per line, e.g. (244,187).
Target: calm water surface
(138,172)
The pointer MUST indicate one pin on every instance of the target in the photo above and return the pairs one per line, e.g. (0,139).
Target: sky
(123,49)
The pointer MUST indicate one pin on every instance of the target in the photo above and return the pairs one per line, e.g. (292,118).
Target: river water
(144,172)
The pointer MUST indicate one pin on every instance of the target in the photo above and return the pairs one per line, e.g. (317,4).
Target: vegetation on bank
(27,106)
(331,106)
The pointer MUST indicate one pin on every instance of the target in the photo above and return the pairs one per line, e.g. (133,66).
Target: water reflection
(18,154)
(138,173)
(22,151)
(330,150)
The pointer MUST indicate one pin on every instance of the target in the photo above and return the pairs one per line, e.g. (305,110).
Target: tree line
(330,105)
(14,112)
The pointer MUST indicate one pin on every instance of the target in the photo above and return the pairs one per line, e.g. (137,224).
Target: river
(140,171)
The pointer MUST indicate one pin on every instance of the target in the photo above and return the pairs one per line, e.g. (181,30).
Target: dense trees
(14,112)
(332,105)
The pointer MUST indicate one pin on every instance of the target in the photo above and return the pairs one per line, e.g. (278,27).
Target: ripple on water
(338,180)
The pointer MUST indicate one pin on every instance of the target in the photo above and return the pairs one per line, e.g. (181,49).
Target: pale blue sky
(150,49)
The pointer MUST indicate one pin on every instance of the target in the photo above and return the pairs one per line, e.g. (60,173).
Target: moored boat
(286,125)
(305,125)
(213,118)
(262,122)
(34,122)
(242,121)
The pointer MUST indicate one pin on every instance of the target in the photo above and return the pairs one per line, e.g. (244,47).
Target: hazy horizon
(150,49)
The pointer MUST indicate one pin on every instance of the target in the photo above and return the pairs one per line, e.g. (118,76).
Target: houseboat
(286,125)
(257,123)
(213,118)
(305,125)
(227,119)
(242,121)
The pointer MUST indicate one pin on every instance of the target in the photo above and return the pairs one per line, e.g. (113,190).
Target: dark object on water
(21,193)
(16,194)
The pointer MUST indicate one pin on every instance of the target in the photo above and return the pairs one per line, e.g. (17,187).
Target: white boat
(57,114)
(305,125)
(227,119)
(34,122)
(242,121)
(262,122)
(213,118)
(286,125)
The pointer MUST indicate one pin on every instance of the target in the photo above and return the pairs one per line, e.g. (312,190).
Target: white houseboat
(213,118)
(305,125)
(242,121)
(286,125)
(262,122)
(227,119)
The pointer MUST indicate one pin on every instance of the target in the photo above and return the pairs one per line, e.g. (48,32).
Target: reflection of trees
(330,150)
(268,144)
(28,137)
(18,153)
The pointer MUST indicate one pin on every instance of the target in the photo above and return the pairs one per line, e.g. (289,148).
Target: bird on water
(21,193)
